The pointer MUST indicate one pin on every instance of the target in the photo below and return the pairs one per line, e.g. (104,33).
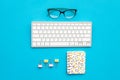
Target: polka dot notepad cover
(76,62)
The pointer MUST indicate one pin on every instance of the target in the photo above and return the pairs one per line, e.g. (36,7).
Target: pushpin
(46,60)
(56,60)
(51,64)
(40,64)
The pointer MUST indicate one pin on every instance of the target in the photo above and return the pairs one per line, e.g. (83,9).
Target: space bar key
(59,43)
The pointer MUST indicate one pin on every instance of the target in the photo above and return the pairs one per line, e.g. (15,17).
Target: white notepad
(76,62)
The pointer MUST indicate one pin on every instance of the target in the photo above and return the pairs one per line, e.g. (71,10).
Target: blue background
(18,61)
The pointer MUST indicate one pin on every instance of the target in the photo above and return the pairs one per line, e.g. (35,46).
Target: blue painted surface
(18,61)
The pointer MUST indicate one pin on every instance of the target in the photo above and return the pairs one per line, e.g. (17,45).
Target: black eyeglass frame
(62,11)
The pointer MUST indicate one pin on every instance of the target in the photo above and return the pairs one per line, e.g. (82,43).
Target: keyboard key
(59,43)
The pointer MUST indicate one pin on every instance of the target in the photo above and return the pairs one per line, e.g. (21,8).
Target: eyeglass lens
(69,14)
(54,13)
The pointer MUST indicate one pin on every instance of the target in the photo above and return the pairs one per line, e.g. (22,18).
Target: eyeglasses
(56,12)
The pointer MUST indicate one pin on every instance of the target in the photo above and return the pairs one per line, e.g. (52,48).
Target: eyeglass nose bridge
(62,12)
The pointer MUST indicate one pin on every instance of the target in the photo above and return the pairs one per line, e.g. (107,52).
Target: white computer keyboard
(61,34)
